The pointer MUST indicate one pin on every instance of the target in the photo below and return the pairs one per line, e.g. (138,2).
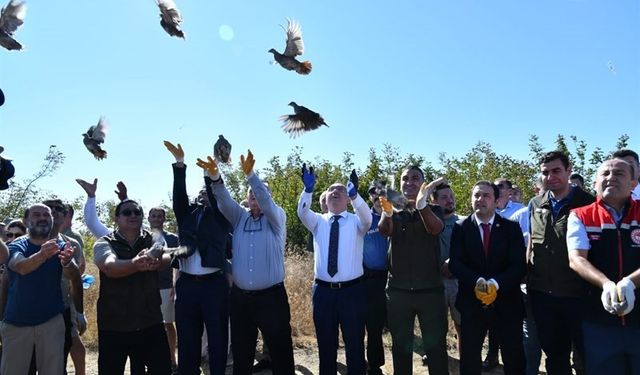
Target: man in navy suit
(488,258)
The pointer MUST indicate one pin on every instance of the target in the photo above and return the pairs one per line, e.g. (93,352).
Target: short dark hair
(438,188)
(70,210)
(509,184)
(555,155)
(414,168)
(55,202)
(578,177)
(496,190)
(159,208)
(122,203)
(17,224)
(622,153)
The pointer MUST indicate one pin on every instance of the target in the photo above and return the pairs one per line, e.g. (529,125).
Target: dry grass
(90,337)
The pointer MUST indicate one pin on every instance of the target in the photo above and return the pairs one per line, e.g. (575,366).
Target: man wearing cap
(258,297)
(339,293)
(375,281)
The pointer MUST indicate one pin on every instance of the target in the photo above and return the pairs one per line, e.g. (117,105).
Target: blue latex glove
(308,178)
(352,185)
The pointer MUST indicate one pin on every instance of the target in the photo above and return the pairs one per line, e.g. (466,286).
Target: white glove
(421,199)
(81,321)
(626,289)
(609,296)
(494,282)
(481,284)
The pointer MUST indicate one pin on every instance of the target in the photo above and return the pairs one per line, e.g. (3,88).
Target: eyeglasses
(128,212)
(252,227)
(13,235)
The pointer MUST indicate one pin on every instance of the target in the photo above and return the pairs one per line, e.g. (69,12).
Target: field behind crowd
(299,271)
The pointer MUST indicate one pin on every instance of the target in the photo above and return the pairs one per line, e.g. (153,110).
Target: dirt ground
(306,360)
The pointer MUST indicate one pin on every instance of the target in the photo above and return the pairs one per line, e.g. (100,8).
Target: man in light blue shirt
(258,297)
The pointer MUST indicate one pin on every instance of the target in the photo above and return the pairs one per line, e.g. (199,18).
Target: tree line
(386,164)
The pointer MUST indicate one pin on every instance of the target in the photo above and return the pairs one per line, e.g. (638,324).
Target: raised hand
(177,152)
(121,191)
(426,190)
(352,185)
(247,164)
(89,188)
(387,207)
(210,167)
(308,178)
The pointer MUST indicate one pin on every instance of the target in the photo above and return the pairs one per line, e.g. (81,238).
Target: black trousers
(559,325)
(148,346)
(268,311)
(507,327)
(376,317)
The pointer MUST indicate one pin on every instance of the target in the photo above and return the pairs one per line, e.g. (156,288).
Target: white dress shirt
(353,228)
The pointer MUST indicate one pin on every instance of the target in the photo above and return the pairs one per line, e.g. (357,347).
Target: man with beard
(415,286)
(443,197)
(33,313)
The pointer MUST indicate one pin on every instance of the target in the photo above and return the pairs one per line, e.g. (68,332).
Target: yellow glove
(387,207)
(210,167)
(247,164)
(177,152)
(490,296)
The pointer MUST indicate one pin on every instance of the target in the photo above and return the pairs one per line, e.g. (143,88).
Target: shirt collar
(490,222)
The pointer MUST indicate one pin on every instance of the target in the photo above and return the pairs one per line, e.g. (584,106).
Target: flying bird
(295,47)
(11,17)
(222,150)
(94,137)
(170,18)
(303,120)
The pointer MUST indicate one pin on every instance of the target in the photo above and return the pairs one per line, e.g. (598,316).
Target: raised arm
(91,219)
(432,223)
(221,201)
(308,218)
(180,198)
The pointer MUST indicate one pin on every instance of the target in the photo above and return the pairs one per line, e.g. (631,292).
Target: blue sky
(425,76)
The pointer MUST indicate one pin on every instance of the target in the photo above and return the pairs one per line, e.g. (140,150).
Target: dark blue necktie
(332,267)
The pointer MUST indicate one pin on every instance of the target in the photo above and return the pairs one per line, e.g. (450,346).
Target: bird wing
(295,46)
(292,125)
(12,16)
(169,12)
(99,132)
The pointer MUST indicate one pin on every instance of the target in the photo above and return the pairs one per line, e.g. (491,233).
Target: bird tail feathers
(304,68)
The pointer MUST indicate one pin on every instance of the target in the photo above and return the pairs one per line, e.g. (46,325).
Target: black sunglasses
(13,235)
(128,212)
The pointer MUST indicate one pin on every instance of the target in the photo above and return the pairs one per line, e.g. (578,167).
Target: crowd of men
(556,275)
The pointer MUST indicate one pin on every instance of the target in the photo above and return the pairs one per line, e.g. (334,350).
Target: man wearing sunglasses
(129,317)
(258,297)
(33,313)
(202,291)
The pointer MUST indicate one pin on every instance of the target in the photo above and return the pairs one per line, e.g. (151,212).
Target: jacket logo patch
(635,236)
(593,236)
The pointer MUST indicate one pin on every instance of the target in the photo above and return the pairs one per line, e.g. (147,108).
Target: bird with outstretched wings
(11,17)
(301,121)
(94,137)
(294,47)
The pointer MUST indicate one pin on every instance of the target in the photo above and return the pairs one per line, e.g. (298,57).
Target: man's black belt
(206,276)
(261,291)
(339,284)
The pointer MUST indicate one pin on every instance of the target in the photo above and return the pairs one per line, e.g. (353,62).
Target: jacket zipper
(620,264)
